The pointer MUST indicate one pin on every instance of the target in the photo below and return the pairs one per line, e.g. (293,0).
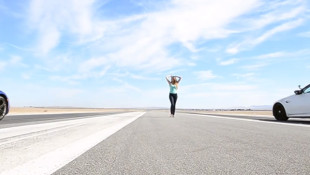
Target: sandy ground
(46,110)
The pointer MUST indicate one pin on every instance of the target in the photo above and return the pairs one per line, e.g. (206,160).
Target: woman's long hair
(174,81)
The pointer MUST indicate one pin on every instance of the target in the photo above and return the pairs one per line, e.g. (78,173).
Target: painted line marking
(52,161)
(34,134)
(253,120)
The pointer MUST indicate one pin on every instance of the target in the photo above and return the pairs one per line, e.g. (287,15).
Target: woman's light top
(173,88)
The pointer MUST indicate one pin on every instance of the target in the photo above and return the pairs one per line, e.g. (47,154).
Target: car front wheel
(279,112)
(2,107)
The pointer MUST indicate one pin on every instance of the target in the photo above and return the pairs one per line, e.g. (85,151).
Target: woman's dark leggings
(173,100)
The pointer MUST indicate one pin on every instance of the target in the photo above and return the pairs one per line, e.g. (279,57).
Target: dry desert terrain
(55,110)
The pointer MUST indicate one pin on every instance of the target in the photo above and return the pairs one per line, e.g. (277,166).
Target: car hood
(283,99)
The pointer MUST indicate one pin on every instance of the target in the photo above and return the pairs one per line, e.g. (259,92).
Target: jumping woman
(173,96)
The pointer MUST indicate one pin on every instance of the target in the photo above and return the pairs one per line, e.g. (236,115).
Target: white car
(297,105)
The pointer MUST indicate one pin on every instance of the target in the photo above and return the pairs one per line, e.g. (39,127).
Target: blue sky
(88,53)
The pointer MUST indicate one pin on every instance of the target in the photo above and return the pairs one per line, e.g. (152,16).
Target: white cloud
(177,36)
(91,64)
(222,95)
(51,18)
(233,49)
(44,68)
(272,55)
(73,79)
(252,42)
(141,41)
(277,13)
(211,22)
(15,59)
(285,15)
(305,34)
(283,54)
(26,76)
(253,67)
(247,76)
(192,64)
(132,75)
(218,87)
(182,23)
(205,75)
(2,65)
(49,39)
(280,28)
(227,62)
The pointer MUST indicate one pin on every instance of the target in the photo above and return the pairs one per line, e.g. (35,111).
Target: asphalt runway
(154,143)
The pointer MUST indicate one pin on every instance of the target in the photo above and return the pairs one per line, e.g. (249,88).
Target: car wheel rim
(280,113)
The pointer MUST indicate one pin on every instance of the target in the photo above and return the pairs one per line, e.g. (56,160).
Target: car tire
(279,112)
(3,107)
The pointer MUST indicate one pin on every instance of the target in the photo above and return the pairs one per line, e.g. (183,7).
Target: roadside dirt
(49,110)
(43,110)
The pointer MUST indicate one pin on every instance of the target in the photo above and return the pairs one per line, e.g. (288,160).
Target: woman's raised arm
(168,79)
(179,78)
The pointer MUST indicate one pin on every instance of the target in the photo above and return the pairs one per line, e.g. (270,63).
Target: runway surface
(153,143)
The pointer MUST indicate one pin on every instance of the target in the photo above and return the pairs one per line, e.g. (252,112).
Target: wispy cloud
(255,66)
(280,28)
(247,76)
(26,76)
(14,60)
(53,18)
(305,34)
(275,11)
(2,65)
(272,17)
(250,43)
(91,64)
(4,9)
(282,54)
(212,94)
(205,75)
(138,41)
(178,24)
(271,55)
(128,74)
(77,44)
(227,62)
(73,79)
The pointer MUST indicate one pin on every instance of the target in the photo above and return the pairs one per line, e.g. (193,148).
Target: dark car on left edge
(4,105)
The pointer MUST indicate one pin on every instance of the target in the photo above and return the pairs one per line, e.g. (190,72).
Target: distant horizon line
(256,107)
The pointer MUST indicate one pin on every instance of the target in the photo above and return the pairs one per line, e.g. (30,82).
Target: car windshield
(307,89)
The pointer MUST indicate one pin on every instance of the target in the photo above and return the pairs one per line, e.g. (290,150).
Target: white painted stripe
(52,161)
(35,134)
(27,129)
(252,120)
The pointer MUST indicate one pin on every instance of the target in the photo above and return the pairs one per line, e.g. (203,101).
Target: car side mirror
(298,92)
